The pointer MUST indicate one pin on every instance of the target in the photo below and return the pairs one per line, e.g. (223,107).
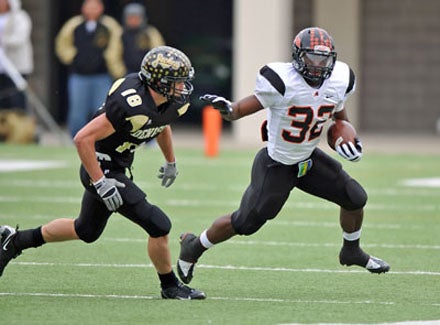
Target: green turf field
(286,273)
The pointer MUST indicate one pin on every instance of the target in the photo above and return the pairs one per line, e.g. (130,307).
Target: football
(340,131)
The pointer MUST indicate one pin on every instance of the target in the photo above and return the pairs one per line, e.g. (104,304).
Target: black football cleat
(356,256)
(7,249)
(187,257)
(376,265)
(182,292)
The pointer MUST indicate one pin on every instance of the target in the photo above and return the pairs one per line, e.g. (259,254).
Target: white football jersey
(296,112)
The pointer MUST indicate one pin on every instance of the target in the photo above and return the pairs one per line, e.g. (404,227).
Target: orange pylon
(212,129)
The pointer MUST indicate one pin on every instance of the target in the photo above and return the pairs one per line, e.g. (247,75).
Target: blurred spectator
(138,36)
(15,42)
(90,44)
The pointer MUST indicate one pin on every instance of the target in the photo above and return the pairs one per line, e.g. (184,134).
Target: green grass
(286,273)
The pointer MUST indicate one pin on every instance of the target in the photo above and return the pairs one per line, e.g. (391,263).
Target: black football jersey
(131,110)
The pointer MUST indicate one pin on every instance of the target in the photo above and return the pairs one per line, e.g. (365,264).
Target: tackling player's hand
(168,173)
(223,105)
(107,189)
(350,151)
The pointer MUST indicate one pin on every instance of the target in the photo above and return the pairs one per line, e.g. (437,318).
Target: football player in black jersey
(138,108)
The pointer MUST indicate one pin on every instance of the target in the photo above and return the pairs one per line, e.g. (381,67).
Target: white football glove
(221,104)
(168,173)
(350,151)
(107,189)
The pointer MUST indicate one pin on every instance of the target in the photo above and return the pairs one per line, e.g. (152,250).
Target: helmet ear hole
(162,67)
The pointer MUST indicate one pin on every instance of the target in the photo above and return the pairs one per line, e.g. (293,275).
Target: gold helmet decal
(162,67)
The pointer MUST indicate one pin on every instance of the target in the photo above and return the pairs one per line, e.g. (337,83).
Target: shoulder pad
(350,82)
(274,79)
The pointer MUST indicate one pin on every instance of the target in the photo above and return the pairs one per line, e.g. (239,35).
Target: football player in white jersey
(300,96)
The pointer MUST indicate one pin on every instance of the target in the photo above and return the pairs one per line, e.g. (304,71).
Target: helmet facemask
(175,89)
(316,66)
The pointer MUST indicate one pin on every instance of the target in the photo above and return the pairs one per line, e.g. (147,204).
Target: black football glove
(107,189)
(350,151)
(221,104)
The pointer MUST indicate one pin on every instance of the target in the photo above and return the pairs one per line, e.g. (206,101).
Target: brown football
(340,132)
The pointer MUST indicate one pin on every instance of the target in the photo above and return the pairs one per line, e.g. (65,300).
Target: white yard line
(226,203)
(9,165)
(401,188)
(225,267)
(148,297)
(289,244)
(417,322)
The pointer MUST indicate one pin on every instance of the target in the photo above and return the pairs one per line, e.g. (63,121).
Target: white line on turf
(276,243)
(248,299)
(289,244)
(423,182)
(252,299)
(419,192)
(416,322)
(226,203)
(284,244)
(10,165)
(226,267)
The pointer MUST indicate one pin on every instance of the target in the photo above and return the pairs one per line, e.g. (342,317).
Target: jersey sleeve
(349,86)
(115,113)
(269,87)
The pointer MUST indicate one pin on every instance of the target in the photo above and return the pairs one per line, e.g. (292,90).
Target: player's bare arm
(165,142)
(246,106)
(341,115)
(97,129)
(168,172)
(233,111)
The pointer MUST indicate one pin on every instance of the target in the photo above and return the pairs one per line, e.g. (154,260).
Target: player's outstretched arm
(233,111)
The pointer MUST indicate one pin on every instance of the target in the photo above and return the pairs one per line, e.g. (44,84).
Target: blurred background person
(90,44)
(138,36)
(16,58)
(15,43)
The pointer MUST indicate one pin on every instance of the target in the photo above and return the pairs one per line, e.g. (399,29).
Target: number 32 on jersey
(302,121)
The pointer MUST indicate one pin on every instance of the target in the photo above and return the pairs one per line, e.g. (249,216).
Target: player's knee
(356,194)
(86,233)
(160,223)
(88,238)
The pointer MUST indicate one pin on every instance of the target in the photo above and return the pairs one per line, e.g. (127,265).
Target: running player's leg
(270,186)
(87,227)
(329,181)
(157,224)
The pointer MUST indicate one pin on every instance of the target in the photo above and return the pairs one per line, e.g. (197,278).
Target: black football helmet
(314,55)
(162,68)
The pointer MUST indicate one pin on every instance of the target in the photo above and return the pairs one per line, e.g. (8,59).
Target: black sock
(168,280)
(351,243)
(28,238)
(197,248)
(353,254)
